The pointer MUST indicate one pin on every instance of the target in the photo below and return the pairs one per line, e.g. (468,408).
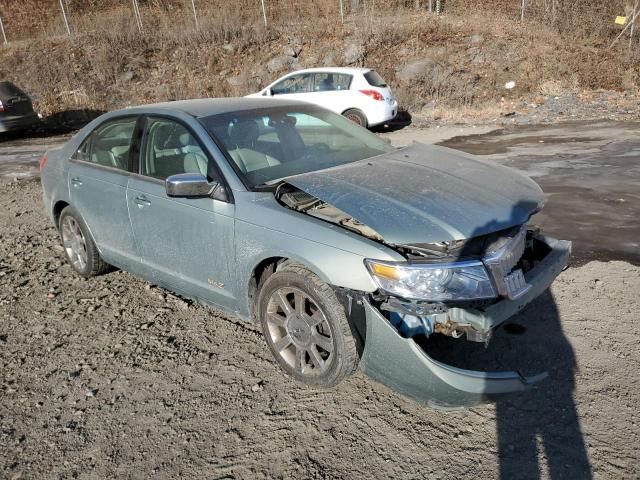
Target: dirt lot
(112,377)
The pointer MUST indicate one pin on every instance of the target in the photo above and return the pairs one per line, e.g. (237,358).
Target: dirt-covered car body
(350,223)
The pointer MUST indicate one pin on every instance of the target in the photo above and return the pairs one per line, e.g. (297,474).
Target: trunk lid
(14,100)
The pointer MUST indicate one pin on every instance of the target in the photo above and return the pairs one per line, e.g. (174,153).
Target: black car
(16,110)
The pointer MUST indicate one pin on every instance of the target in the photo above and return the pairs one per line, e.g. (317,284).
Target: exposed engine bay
(507,255)
(305,203)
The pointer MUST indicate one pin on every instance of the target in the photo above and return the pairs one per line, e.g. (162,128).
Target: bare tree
(195,15)
(2,28)
(264,13)
(136,12)
(64,16)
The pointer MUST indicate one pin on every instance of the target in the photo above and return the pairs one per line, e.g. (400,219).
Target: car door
(186,243)
(294,87)
(98,175)
(331,91)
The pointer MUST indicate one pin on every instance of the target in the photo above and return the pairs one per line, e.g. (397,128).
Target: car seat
(243,136)
(195,161)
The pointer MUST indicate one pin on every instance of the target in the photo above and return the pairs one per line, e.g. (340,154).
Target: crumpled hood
(426,194)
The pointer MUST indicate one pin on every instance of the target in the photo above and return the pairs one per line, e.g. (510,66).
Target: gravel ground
(112,377)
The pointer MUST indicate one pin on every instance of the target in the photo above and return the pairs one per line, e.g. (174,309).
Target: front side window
(300,83)
(329,82)
(267,144)
(109,144)
(169,148)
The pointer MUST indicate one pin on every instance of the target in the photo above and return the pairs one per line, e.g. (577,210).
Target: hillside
(456,64)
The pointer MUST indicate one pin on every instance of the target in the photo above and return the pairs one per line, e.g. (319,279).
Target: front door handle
(76,182)
(142,201)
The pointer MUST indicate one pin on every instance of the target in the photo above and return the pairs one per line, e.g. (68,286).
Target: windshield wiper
(268,185)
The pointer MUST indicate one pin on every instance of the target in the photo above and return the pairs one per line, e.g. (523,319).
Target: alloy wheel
(74,243)
(299,331)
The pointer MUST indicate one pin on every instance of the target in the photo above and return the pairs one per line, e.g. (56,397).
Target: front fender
(334,266)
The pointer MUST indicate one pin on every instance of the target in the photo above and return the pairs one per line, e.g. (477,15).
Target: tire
(356,116)
(317,348)
(79,248)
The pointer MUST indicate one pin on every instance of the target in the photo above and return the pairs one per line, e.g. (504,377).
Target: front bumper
(403,366)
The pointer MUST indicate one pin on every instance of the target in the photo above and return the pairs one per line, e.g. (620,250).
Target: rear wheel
(306,328)
(356,116)
(79,248)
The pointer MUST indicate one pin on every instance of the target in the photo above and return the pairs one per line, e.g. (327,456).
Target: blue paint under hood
(426,194)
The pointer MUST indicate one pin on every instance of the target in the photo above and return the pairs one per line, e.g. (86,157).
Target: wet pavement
(591,175)
(20,156)
(590,172)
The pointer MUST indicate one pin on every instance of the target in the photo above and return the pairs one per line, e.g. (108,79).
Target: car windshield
(268,144)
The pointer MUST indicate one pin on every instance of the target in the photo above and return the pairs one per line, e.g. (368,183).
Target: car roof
(204,107)
(350,70)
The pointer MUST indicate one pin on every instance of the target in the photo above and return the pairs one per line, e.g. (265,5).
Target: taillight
(43,162)
(373,94)
(1,106)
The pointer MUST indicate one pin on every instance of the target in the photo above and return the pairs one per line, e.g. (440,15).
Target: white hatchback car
(360,94)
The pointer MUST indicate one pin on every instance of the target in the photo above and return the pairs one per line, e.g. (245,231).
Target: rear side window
(374,79)
(329,82)
(8,89)
(109,144)
(170,148)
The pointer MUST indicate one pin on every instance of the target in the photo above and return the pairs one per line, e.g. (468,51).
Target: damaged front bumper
(402,365)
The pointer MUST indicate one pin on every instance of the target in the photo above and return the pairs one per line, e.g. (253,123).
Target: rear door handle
(142,201)
(76,182)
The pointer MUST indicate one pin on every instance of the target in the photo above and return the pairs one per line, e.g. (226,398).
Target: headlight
(435,282)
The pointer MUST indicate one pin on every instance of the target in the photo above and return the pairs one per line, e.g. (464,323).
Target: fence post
(522,5)
(3,34)
(64,16)
(195,15)
(341,12)
(264,13)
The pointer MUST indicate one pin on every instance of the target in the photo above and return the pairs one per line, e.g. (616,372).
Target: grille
(501,260)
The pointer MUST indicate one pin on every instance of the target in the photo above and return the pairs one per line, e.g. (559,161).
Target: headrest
(244,133)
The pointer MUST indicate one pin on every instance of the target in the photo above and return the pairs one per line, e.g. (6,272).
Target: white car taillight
(373,94)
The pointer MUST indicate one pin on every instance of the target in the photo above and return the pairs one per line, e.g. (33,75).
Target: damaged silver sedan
(347,251)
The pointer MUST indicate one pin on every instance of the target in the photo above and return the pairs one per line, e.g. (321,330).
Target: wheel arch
(57,210)
(265,268)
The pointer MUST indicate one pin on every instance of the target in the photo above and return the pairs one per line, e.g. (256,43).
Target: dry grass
(107,63)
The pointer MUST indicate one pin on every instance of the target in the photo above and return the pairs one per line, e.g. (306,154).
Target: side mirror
(189,185)
(267,93)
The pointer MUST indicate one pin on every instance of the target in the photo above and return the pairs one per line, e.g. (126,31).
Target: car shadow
(402,120)
(59,123)
(541,422)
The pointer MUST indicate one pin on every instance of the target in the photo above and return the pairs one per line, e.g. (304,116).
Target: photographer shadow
(540,425)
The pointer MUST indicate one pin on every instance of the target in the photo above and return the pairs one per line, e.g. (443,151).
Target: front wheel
(306,328)
(356,116)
